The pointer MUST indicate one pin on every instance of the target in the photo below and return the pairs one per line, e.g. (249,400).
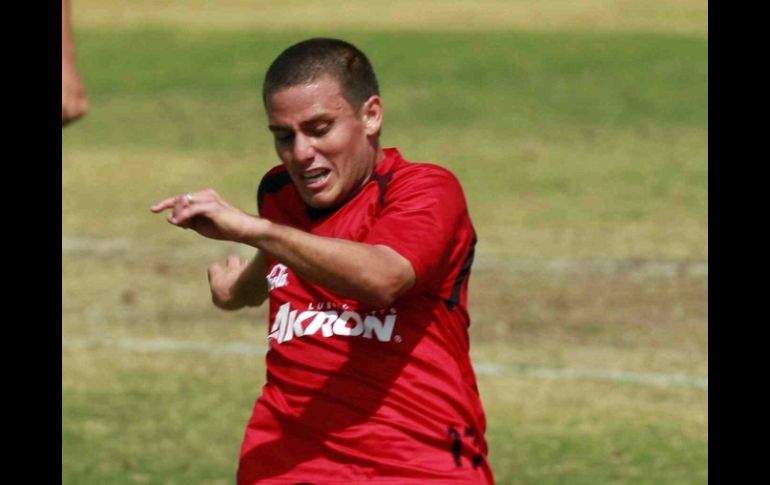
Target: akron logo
(278,277)
(290,323)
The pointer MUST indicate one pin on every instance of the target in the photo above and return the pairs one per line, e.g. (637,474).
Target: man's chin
(319,201)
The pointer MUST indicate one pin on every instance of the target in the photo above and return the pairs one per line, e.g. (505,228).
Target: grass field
(579,131)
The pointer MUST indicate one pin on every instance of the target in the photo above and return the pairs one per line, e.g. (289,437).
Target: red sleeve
(425,219)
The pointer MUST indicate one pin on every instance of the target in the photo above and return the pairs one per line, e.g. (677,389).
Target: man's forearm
(374,275)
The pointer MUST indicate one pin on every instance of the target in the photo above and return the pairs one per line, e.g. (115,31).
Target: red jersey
(356,394)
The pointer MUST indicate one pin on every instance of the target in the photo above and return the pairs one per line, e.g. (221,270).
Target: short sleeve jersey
(357,394)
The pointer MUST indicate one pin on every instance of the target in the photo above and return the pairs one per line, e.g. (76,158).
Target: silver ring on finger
(189,197)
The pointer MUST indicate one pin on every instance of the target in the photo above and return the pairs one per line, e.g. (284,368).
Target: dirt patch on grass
(621,303)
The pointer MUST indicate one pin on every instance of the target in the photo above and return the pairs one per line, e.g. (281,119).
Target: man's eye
(320,130)
(283,137)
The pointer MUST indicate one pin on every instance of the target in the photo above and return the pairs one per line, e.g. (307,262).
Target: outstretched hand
(208,214)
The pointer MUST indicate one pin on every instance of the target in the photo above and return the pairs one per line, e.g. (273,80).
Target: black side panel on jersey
(382,181)
(454,299)
(272,184)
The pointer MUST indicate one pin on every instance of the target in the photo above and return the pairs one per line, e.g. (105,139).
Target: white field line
(652,379)
(85,247)
(482,368)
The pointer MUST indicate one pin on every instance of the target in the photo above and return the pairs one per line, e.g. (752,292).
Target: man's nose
(304,149)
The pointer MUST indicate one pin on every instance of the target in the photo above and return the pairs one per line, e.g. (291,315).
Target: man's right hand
(238,283)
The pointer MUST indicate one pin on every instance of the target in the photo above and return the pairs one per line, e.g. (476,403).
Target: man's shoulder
(425,186)
(427,174)
(427,169)
(409,169)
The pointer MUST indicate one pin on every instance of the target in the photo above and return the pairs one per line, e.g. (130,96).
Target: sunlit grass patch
(680,16)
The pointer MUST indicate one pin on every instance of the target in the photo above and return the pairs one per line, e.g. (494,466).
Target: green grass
(677,16)
(154,418)
(497,83)
(132,416)
(592,144)
(584,146)
(163,421)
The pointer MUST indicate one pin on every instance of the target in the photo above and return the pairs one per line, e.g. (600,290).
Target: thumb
(214,271)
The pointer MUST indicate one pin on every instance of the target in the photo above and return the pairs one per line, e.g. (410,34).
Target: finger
(201,196)
(175,202)
(214,271)
(184,212)
(183,223)
(163,205)
(187,199)
(233,260)
(188,217)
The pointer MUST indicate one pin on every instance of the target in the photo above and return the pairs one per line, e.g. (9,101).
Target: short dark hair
(311,59)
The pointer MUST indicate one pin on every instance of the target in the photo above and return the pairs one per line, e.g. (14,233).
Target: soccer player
(365,258)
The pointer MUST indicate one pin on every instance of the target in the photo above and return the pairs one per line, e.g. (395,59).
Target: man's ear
(372,115)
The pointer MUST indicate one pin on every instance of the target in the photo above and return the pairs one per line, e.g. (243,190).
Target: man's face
(321,140)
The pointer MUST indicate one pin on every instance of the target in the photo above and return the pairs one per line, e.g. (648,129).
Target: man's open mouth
(313,177)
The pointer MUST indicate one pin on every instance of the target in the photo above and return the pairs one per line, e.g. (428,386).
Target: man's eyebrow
(315,119)
(320,117)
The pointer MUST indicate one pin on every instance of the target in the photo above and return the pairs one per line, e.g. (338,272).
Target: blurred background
(579,131)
